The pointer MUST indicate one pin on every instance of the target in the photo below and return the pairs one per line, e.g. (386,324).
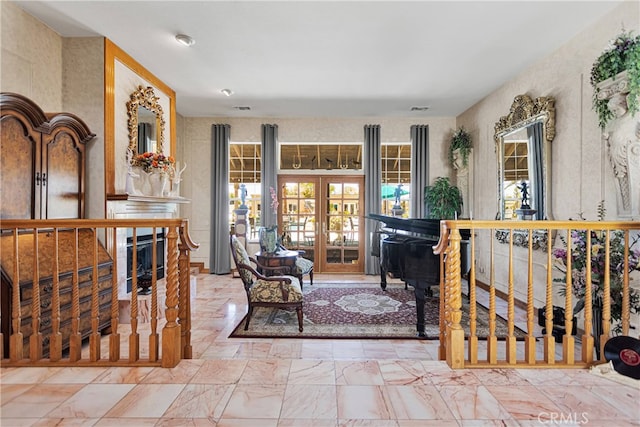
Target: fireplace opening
(145,264)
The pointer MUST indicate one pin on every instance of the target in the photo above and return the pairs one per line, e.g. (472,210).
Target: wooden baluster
(626,312)
(114,337)
(567,339)
(16,343)
(473,336)
(492,339)
(511,339)
(549,340)
(587,337)
(154,338)
(35,340)
(75,339)
(606,299)
(530,340)
(55,342)
(94,337)
(442,353)
(185,295)
(134,337)
(171,331)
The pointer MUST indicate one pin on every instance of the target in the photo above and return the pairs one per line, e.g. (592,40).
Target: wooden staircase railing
(168,330)
(528,246)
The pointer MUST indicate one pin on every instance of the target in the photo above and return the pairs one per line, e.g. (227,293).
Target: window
(244,168)
(396,170)
(328,156)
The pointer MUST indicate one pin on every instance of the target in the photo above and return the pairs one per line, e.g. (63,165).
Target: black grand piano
(405,249)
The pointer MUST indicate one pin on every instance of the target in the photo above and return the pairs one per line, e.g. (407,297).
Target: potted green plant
(623,55)
(461,140)
(442,199)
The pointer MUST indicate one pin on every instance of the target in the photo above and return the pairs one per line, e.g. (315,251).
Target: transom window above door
(325,156)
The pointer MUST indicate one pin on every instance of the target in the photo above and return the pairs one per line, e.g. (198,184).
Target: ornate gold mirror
(146,121)
(523,143)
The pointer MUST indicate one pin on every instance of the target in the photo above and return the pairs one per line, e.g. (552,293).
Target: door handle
(38,178)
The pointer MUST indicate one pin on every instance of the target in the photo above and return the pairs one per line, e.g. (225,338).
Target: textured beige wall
(83,94)
(580,172)
(30,58)
(195,139)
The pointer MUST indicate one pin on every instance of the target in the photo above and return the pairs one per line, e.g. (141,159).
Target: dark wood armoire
(42,162)
(42,176)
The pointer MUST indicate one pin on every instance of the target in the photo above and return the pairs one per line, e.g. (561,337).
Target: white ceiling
(328,58)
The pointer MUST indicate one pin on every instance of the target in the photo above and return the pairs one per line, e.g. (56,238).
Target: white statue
(132,176)
(176,178)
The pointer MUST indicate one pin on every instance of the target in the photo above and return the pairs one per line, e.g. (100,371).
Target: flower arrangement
(274,200)
(154,161)
(461,140)
(622,54)
(598,272)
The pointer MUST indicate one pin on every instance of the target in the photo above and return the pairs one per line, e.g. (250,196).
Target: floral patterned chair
(304,266)
(273,291)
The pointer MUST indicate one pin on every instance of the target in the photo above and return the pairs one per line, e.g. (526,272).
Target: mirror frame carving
(525,111)
(146,98)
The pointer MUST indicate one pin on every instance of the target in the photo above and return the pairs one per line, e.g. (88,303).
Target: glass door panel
(298,215)
(342,244)
(321,216)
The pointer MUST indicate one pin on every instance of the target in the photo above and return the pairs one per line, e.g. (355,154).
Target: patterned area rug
(358,311)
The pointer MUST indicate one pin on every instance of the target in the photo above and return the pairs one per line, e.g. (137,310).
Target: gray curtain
(269,173)
(372,192)
(536,166)
(219,258)
(419,168)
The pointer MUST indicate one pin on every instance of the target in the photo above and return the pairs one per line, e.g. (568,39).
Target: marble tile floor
(308,383)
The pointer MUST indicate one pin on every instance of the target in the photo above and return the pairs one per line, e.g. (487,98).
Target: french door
(322,216)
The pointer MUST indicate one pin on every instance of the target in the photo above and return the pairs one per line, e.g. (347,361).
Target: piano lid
(415,225)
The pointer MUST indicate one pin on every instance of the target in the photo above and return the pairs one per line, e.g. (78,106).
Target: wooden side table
(282,258)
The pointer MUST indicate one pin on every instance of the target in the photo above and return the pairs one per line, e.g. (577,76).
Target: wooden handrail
(524,260)
(87,295)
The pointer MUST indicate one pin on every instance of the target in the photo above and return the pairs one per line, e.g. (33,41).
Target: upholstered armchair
(273,291)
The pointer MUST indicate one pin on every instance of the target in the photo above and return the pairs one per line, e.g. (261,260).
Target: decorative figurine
(243,196)
(524,187)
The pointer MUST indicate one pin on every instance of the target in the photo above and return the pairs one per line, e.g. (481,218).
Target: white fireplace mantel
(137,207)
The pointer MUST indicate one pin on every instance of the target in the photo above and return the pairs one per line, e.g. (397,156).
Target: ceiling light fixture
(242,108)
(226,92)
(185,40)
(419,108)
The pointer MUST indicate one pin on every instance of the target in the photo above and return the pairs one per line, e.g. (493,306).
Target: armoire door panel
(62,183)
(18,168)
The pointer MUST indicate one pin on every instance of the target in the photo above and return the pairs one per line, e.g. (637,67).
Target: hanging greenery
(622,54)
(461,140)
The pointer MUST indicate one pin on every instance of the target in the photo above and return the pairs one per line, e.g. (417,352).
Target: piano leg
(383,278)
(420,292)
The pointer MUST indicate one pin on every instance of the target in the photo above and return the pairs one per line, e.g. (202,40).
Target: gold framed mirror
(523,144)
(146,121)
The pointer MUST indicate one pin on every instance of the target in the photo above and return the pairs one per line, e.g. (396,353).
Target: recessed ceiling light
(419,108)
(227,92)
(185,40)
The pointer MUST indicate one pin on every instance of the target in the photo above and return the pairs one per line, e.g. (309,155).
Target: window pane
(320,156)
(244,168)
(396,170)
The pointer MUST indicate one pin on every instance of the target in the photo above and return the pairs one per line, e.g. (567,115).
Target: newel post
(171,332)
(453,283)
